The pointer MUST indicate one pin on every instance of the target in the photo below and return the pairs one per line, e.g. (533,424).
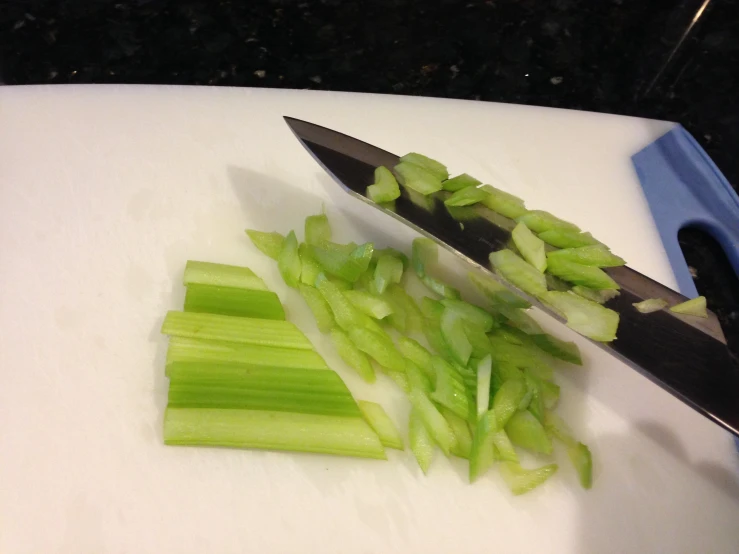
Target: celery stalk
(596,255)
(504,352)
(462,436)
(318,306)
(417,379)
(650,305)
(567,238)
(498,294)
(352,356)
(503,447)
(221,275)
(587,318)
(450,389)
(435,423)
(452,330)
(346,436)
(422,445)
(567,351)
(519,272)
(466,197)
(540,221)
(375,415)
(478,339)
(389,270)
(413,351)
(481,450)
(599,296)
(268,243)
(385,188)
(475,315)
(484,370)
(521,480)
(405,303)
(578,274)
(526,431)
(347,316)
(695,307)
(503,202)
(417,178)
(507,400)
(530,246)
(438,169)
(340,261)
(253,375)
(310,268)
(373,306)
(317,229)
(459,182)
(379,347)
(213,299)
(288,261)
(440,288)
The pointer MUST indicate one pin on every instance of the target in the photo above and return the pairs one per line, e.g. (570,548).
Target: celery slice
(417,379)
(375,415)
(508,399)
(413,351)
(256,376)
(379,252)
(432,331)
(422,445)
(475,315)
(404,304)
(520,356)
(264,332)
(435,423)
(352,356)
(567,238)
(318,306)
(584,275)
(347,316)
(526,431)
(521,480)
(440,288)
(317,229)
(504,203)
(650,305)
(540,221)
(417,178)
(288,261)
(477,338)
(466,197)
(536,404)
(379,347)
(389,270)
(530,246)
(268,243)
(452,329)
(599,296)
(310,268)
(221,275)
(424,252)
(385,188)
(503,447)
(450,389)
(346,436)
(695,307)
(519,272)
(431,308)
(578,453)
(481,450)
(484,370)
(213,299)
(596,255)
(498,294)
(587,318)
(549,394)
(461,431)
(400,379)
(365,302)
(342,261)
(459,182)
(567,351)
(438,169)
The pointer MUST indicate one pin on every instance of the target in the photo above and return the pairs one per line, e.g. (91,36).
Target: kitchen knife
(685,355)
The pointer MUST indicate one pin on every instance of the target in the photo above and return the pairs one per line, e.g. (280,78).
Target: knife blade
(687,356)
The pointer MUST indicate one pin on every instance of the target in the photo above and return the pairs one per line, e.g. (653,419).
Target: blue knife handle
(684,188)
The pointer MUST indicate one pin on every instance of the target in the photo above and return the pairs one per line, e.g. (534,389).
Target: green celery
(438,169)
(459,182)
(481,451)
(440,288)
(519,272)
(498,294)
(504,352)
(347,436)
(365,302)
(342,262)
(417,178)
(508,399)
(520,320)
(435,423)
(432,331)
(503,447)
(422,445)
(476,316)
(549,394)
(477,338)
(650,305)
(596,255)
(587,318)
(288,261)
(526,431)
(242,374)
(536,404)
(347,316)
(431,308)
(379,347)
(567,351)
(317,229)
(584,275)
(484,371)
(213,299)
(221,275)
(461,431)
(530,246)
(352,356)
(599,296)
(424,253)
(450,390)
(567,238)
(268,243)
(695,307)
(504,203)
(385,188)
(318,306)
(452,329)
(405,304)
(417,379)
(540,221)
(466,197)
(578,453)
(413,351)
(310,268)
(377,253)
(400,379)
(389,270)
(375,415)
(521,480)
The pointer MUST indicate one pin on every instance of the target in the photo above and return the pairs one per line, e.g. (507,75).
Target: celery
(342,261)
(347,316)
(462,436)
(400,379)
(540,221)
(381,423)
(521,480)
(268,243)
(373,306)
(389,270)
(521,320)
(385,188)
(212,299)
(318,306)
(503,202)
(432,331)
(263,332)
(519,272)
(587,318)
(347,436)
(417,379)
(695,307)
(379,347)
(377,253)
(650,305)
(422,445)
(288,261)
(244,374)
(596,255)
(406,307)
(459,182)
(435,423)
(438,169)
(521,356)
(413,351)
(599,296)
(567,351)
(452,330)
(508,399)
(584,275)
(352,356)
(417,178)
(549,394)
(425,253)
(477,339)
(450,389)
(221,275)
(567,238)
(503,447)
(317,229)
(469,312)
(466,197)
(442,289)
(536,404)
(481,450)
(526,431)
(431,308)
(310,268)
(484,370)
(498,294)
(578,453)
(530,246)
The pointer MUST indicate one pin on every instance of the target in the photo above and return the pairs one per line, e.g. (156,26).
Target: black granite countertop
(662,59)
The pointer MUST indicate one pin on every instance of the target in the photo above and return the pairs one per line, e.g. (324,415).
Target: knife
(685,355)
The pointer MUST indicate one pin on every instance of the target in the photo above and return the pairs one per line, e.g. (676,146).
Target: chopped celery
(385,188)
(536,404)
(264,332)
(484,370)
(521,480)
(503,447)
(519,272)
(567,238)
(432,331)
(530,246)
(347,316)
(213,299)
(584,275)
(440,288)
(400,379)
(549,394)
(469,312)
(540,221)
(431,308)
(450,389)
(452,329)
(555,283)
(310,266)
(498,294)
(347,436)
(243,374)
(417,178)
(406,306)
(318,306)
(417,379)
(221,275)
(340,284)
(352,356)
(596,254)
(466,197)
(461,431)
(567,351)
(435,423)
(587,318)
(481,450)
(367,303)
(477,338)
(268,243)
(416,353)
(379,252)
(343,261)
(438,169)
(695,307)
(379,347)
(422,445)
(317,229)
(578,453)
(424,252)
(389,270)
(526,431)
(508,399)
(599,296)
(192,350)
(503,202)
(460,182)
(288,261)
(375,415)
(650,305)
(504,352)
(521,320)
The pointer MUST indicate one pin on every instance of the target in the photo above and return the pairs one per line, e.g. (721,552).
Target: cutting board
(106,191)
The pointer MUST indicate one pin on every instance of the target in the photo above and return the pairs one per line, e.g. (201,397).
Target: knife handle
(684,188)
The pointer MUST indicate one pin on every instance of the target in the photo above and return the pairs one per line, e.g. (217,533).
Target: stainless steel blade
(685,355)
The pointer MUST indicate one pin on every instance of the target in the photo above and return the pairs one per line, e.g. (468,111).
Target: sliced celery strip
(221,275)
(521,320)
(536,404)
(461,431)
(540,221)
(526,431)
(459,182)
(587,318)
(521,480)
(431,328)
(400,379)
(520,356)
(375,415)
(389,270)
(519,272)
(340,261)
(431,308)
(318,306)
(213,299)
(256,376)
(584,275)
(417,379)
(352,356)
(379,347)
(599,296)
(379,252)
(530,246)
(578,453)
(404,304)
(476,316)
(481,450)
(549,394)
(438,169)
(695,307)
(317,229)
(385,188)
(567,351)
(452,329)
(265,332)
(268,243)
(435,423)
(508,399)
(346,436)
(347,316)
(567,238)
(596,254)
(288,261)
(450,389)
(440,288)
(503,447)
(417,178)
(310,268)
(413,351)
(478,340)
(484,370)
(650,305)
(367,303)
(503,202)
(466,197)
(498,294)
(422,445)
(424,252)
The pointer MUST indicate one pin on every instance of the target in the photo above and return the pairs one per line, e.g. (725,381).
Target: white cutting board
(106,191)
